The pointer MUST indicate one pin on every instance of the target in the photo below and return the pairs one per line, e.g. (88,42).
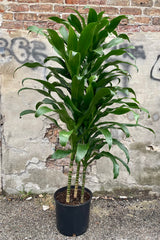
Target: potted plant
(87,85)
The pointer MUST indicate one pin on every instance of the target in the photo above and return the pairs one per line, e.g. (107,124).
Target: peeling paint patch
(52,133)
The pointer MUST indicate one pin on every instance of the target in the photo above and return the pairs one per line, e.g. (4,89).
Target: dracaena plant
(90,71)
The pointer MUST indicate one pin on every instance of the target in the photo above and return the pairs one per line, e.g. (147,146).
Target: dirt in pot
(61,197)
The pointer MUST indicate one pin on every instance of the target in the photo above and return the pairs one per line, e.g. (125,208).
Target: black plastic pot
(72,220)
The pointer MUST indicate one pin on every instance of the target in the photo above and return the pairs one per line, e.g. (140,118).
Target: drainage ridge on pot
(72,220)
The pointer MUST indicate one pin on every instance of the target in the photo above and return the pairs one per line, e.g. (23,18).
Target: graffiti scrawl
(155,70)
(22,50)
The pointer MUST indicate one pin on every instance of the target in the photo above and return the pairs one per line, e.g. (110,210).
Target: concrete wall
(25,150)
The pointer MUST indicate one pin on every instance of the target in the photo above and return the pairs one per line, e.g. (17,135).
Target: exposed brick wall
(62,165)
(144,15)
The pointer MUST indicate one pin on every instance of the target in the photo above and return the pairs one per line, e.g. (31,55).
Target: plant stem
(70,178)
(77,180)
(83,183)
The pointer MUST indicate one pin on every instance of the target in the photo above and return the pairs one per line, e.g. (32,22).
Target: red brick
(83,10)
(41,8)
(7,16)
(97,2)
(156,21)
(131,11)
(110,10)
(124,21)
(140,20)
(142,3)
(52,25)
(63,9)
(26,16)
(118,2)
(152,11)
(82,2)
(51,1)
(38,24)
(56,26)
(65,16)
(18,8)
(128,28)
(155,28)
(12,25)
(44,17)
(157,3)
(28,1)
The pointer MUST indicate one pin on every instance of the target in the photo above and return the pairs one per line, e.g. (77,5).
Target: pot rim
(76,205)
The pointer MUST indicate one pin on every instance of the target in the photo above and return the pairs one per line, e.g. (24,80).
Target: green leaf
(56,59)
(86,39)
(37,90)
(60,154)
(115,63)
(126,91)
(64,137)
(115,165)
(115,22)
(82,18)
(102,35)
(145,110)
(121,126)
(99,32)
(43,110)
(57,42)
(114,42)
(99,51)
(59,20)
(100,15)
(52,102)
(124,36)
(139,125)
(25,112)
(122,147)
(81,151)
(124,164)
(113,159)
(52,87)
(48,85)
(102,92)
(74,63)
(71,106)
(120,110)
(64,33)
(65,118)
(74,21)
(89,93)
(72,40)
(136,116)
(30,65)
(132,105)
(108,136)
(36,30)
(100,60)
(77,90)
(52,120)
(92,16)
